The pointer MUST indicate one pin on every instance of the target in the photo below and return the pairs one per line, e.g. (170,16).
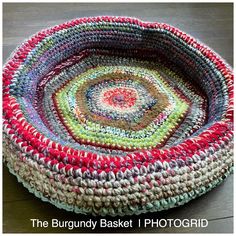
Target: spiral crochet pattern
(115,116)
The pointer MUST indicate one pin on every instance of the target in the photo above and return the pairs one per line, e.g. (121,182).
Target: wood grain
(209,22)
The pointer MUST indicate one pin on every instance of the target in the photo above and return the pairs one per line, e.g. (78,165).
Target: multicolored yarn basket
(116,116)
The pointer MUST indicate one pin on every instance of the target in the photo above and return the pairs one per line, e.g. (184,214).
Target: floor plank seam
(221,218)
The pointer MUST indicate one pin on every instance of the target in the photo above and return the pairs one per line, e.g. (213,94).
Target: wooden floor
(210,23)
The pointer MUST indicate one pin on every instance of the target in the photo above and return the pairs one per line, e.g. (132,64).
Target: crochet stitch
(115,116)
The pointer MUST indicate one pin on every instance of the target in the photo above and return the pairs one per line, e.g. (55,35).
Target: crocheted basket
(116,116)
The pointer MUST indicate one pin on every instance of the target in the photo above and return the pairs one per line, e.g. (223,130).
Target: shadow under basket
(116,116)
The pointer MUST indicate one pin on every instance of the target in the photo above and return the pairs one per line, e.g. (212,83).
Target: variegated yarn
(115,116)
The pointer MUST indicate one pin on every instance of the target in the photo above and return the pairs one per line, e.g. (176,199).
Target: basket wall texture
(116,116)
